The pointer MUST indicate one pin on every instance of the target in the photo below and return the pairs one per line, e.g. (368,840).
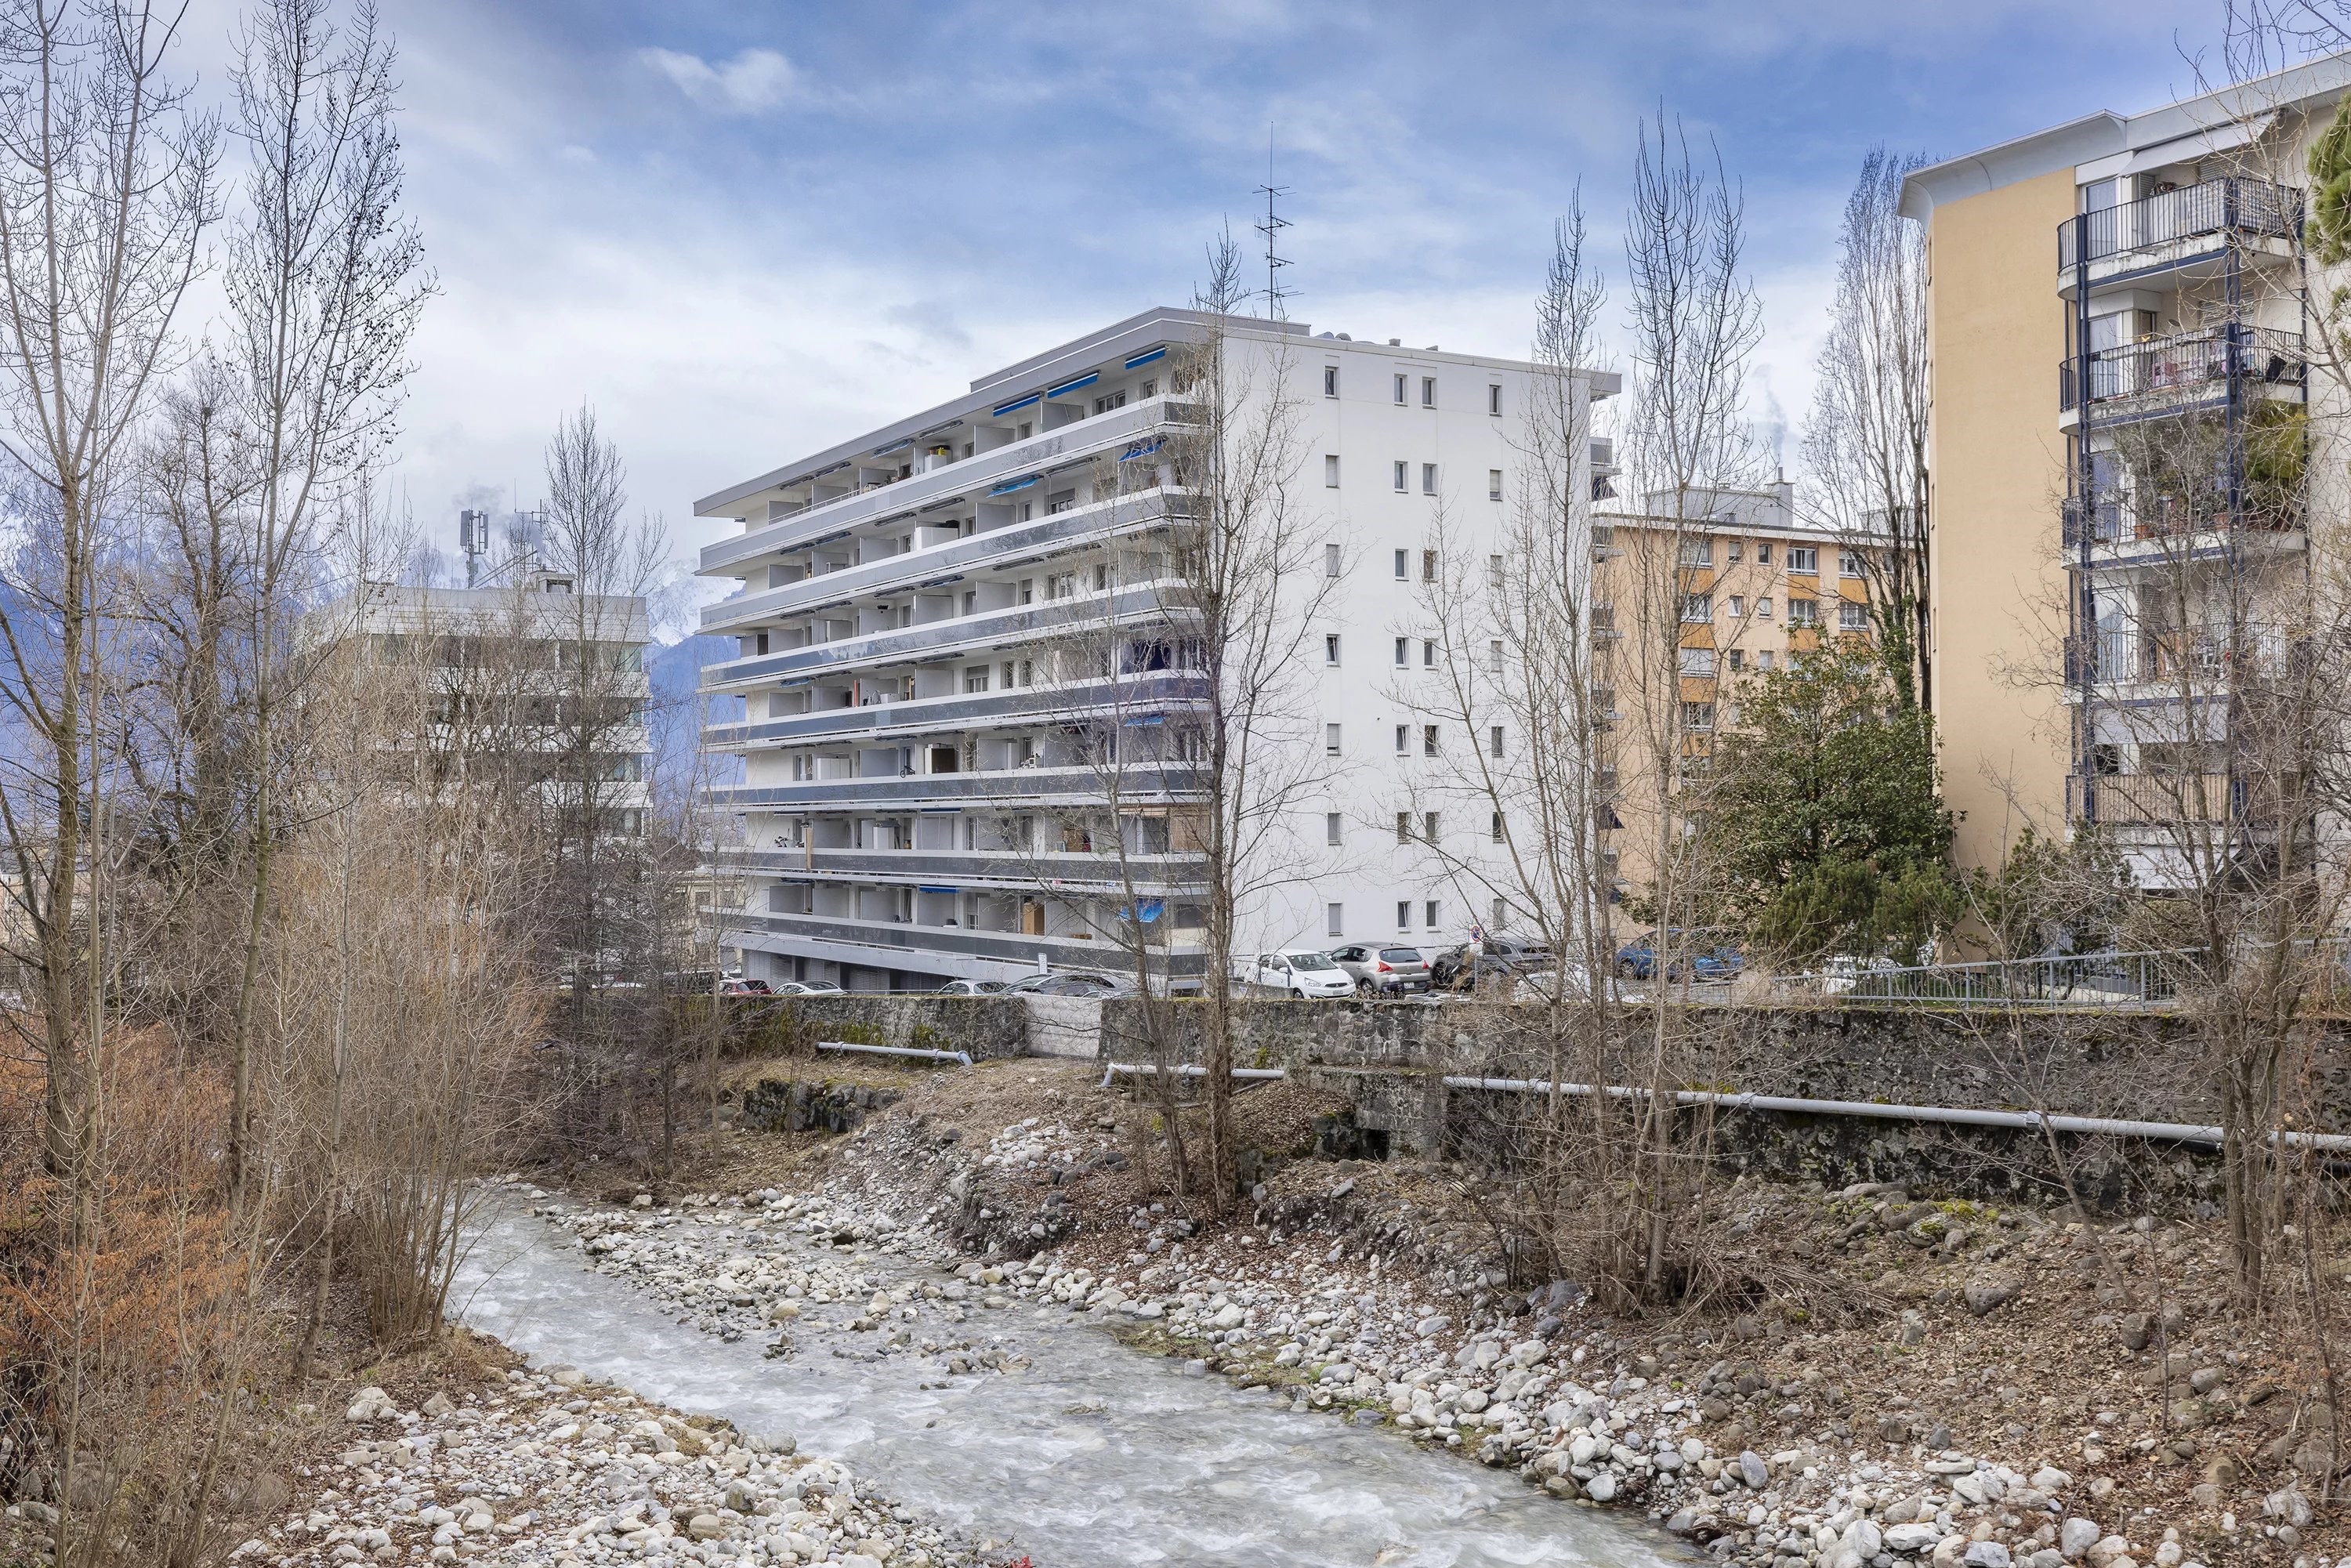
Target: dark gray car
(1388,968)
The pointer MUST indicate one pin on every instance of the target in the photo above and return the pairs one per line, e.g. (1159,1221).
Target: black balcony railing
(2213,207)
(2188,367)
(2114,519)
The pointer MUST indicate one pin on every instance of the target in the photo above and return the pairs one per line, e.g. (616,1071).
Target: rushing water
(1091,1455)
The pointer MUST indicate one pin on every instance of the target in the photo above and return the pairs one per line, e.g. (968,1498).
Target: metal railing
(2188,367)
(2083,981)
(2210,207)
(2140,799)
(2111,518)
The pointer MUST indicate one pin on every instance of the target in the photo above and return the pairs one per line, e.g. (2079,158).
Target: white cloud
(753,82)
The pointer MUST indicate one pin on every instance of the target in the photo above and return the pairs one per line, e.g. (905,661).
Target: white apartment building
(914,747)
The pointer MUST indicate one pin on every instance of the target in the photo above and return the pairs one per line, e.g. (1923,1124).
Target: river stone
(2076,1536)
(1908,1540)
(1987,1555)
(1601,1487)
(1983,1296)
(1753,1470)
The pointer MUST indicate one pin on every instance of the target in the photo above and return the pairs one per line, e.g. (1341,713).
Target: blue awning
(1141,449)
(937,890)
(1148,719)
(1024,403)
(1089,379)
(1147,356)
(1011,484)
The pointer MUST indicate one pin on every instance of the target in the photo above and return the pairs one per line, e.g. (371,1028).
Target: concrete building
(2110,298)
(922,753)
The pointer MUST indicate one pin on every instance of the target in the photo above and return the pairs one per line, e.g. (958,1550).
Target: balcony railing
(2188,367)
(1160,875)
(2114,519)
(2145,799)
(907,940)
(1141,782)
(1134,696)
(2212,207)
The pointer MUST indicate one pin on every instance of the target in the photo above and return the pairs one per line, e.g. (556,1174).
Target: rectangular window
(1403,567)
(1428,391)
(1330,740)
(1738,660)
(1698,551)
(1403,827)
(1399,391)
(1403,651)
(1803,560)
(1494,571)
(1762,610)
(1335,921)
(1329,470)
(1697,608)
(1428,565)
(1427,654)
(1849,564)
(1735,549)
(1494,655)
(1495,828)
(1697,663)
(1331,560)
(1428,478)
(1331,828)
(1403,477)
(1762,552)
(1404,738)
(1738,605)
(1494,398)
(976,678)
(1764,660)
(1428,828)
(1429,740)
(1404,914)
(1433,909)
(1697,716)
(1803,612)
(1330,381)
(1331,649)
(1494,741)
(1493,484)
(1852,616)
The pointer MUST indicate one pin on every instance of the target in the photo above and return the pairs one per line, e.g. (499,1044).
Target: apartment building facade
(960,647)
(1746,588)
(2107,538)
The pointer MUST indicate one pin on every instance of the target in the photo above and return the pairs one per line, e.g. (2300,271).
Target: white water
(1093,1454)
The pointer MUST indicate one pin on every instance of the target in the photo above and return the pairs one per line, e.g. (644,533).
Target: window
(1329,470)
(1330,830)
(1403,477)
(1496,827)
(1849,564)
(1331,560)
(1427,654)
(1403,567)
(1738,605)
(1429,740)
(1428,565)
(1494,741)
(1735,550)
(1763,610)
(1150,389)
(1494,655)
(1493,484)
(974,679)
(1762,552)
(1404,738)
(1331,649)
(1404,914)
(1698,551)
(1803,560)
(1330,381)
(1428,828)
(1428,391)
(1803,612)
(1697,663)
(1494,398)
(1852,616)
(1697,608)
(1764,660)
(1104,404)
(1493,571)
(1403,651)
(1738,660)
(1102,579)
(1697,716)
(1399,391)
(1432,910)
(1428,478)
(1330,740)
(1403,827)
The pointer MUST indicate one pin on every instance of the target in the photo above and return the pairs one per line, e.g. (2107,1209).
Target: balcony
(919,715)
(1055,449)
(2173,228)
(1142,783)
(1015,870)
(1096,523)
(2185,371)
(2168,528)
(904,945)
(2154,800)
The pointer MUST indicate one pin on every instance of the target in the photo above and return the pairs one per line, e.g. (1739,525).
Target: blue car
(1638,960)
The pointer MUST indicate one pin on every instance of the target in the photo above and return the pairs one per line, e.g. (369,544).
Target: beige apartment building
(2122,389)
(1746,589)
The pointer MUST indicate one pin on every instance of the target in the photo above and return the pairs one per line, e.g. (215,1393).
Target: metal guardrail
(2085,980)
(2210,207)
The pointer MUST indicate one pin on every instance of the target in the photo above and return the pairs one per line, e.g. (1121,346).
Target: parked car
(1457,968)
(806,988)
(1384,969)
(1709,959)
(1071,983)
(1302,974)
(971,988)
(737,986)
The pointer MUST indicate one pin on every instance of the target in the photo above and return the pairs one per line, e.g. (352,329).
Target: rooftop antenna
(474,538)
(1272,226)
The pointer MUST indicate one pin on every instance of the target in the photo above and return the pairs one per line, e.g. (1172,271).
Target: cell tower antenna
(1272,229)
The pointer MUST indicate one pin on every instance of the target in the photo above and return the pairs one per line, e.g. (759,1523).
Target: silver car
(1384,969)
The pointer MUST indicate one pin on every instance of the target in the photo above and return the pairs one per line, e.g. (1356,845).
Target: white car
(1302,974)
(804,988)
(970,989)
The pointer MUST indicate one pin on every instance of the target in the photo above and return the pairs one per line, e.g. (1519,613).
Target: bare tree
(1865,443)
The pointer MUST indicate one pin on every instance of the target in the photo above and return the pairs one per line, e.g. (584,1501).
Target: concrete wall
(985,1027)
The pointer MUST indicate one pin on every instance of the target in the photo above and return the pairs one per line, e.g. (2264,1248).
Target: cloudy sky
(743,230)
